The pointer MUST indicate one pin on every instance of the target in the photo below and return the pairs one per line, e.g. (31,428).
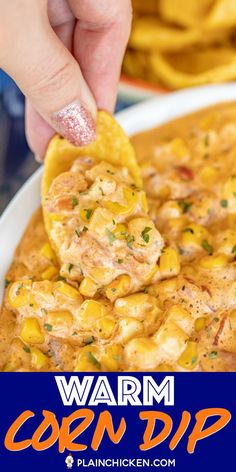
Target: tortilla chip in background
(152,34)
(185,12)
(195,67)
(141,7)
(222,15)
(111,145)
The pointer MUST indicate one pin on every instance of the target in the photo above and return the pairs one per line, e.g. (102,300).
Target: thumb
(51,79)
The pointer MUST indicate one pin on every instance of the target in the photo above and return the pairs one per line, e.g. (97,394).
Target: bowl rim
(140,117)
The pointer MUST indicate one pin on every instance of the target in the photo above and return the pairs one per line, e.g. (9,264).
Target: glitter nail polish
(75,123)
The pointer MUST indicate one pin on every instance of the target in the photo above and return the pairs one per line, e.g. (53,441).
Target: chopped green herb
(60,278)
(85,228)
(188,230)
(216,318)
(213,354)
(74,333)
(74,202)
(7,282)
(26,349)
(234,249)
(89,340)
(70,267)
(145,234)
(93,360)
(101,190)
(31,305)
(224,203)
(113,221)
(185,206)
(110,172)
(48,326)
(193,360)
(130,240)
(207,247)
(88,213)
(120,261)
(110,236)
(78,233)
(113,289)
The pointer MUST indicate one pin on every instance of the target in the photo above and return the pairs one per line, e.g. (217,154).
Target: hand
(65,55)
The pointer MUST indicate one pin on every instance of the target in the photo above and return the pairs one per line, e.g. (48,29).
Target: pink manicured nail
(75,123)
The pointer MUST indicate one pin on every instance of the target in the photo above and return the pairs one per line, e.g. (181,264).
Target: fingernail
(75,123)
(38,158)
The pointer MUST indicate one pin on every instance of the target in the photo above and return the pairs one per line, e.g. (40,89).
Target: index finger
(100,38)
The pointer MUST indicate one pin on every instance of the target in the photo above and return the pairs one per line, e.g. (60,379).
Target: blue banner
(181,422)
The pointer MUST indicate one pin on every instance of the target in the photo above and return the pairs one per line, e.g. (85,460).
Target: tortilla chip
(185,13)
(151,34)
(195,67)
(222,15)
(111,145)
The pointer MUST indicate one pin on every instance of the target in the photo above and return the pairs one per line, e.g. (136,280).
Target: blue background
(195,391)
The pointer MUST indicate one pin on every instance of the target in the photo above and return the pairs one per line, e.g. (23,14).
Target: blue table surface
(16,160)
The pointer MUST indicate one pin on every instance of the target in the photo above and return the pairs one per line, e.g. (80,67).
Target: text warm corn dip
(121,283)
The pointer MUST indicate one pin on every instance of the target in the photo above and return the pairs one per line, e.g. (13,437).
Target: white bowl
(140,117)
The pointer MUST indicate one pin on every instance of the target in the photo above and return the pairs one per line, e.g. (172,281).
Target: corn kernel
(179,148)
(181,317)
(194,235)
(31,332)
(177,224)
(200,323)
(38,358)
(60,319)
(131,198)
(188,358)
(231,220)
(143,200)
(118,288)
(129,328)
(101,275)
(229,190)
(90,312)
(172,339)
(88,287)
(163,288)
(112,358)
(135,305)
(67,290)
(106,326)
(88,360)
(208,175)
(164,368)
(86,214)
(100,220)
(213,262)
(48,253)
(142,353)
(120,231)
(49,273)
(19,293)
(232,319)
(153,275)
(169,263)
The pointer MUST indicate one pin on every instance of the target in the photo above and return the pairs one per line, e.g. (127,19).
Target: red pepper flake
(185,173)
(219,332)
